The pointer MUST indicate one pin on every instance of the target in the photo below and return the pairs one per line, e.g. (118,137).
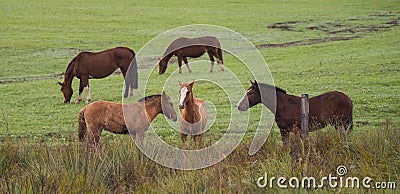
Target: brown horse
(333,108)
(192,47)
(110,116)
(88,65)
(193,114)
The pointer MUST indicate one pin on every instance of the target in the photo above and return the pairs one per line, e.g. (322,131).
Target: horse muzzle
(161,72)
(181,106)
(174,118)
(241,108)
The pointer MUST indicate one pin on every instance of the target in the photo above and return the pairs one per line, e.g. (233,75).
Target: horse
(193,114)
(192,47)
(110,116)
(334,108)
(87,65)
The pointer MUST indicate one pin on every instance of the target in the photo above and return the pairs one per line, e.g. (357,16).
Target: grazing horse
(88,65)
(110,116)
(193,114)
(333,108)
(192,47)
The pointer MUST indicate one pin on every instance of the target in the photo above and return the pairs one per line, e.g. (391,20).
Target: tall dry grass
(118,166)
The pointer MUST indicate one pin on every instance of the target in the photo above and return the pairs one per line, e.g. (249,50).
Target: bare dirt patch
(306,42)
(344,30)
(30,78)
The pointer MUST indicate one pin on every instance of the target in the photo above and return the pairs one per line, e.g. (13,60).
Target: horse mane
(272,87)
(152,97)
(70,64)
(69,71)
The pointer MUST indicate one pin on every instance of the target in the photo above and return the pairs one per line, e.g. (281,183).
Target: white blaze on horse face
(243,98)
(184,91)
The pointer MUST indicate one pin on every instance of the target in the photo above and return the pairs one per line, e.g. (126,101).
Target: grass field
(310,47)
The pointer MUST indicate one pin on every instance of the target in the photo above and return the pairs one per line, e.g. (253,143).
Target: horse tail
(350,121)
(82,125)
(134,70)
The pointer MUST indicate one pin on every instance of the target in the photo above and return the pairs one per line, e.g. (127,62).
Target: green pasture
(38,40)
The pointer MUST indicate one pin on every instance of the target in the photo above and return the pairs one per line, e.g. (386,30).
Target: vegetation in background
(304,43)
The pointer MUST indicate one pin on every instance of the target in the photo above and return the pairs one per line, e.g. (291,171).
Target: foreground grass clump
(118,166)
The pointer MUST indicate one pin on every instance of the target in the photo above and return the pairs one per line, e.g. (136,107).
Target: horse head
(168,107)
(162,65)
(67,92)
(185,92)
(251,97)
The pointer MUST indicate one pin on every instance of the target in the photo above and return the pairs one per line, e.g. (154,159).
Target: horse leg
(82,85)
(139,137)
(93,134)
(198,140)
(210,55)
(128,82)
(348,126)
(88,97)
(285,137)
(183,138)
(187,64)
(180,64)
(218,55)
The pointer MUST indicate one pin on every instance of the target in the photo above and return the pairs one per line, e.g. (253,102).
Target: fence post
(304,117)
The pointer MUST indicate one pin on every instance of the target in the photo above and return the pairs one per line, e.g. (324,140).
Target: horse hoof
(222,69)
(211,71)
(77,102)
(87,101)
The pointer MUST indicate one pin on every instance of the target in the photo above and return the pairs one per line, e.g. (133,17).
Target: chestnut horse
(192,47)
(88,65)
(110,116)
(333,108)
(193,114)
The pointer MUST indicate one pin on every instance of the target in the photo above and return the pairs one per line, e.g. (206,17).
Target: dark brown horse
(110,116)
(193,114)
(88,65)
(333,108)
(193,48)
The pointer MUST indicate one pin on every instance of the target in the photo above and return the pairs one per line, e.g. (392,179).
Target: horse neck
(153,108)
(166,58)
(69,74)
(191,111)
(273,104)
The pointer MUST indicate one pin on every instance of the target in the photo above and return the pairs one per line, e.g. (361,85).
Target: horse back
(94,113)
(192,47)
(102,64)
(332,103)
(105,114)
(123,53)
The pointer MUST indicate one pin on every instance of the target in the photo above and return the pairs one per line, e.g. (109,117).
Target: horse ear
(190,85)
(61,84)
(163,93)
(255,81)
(251,82)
